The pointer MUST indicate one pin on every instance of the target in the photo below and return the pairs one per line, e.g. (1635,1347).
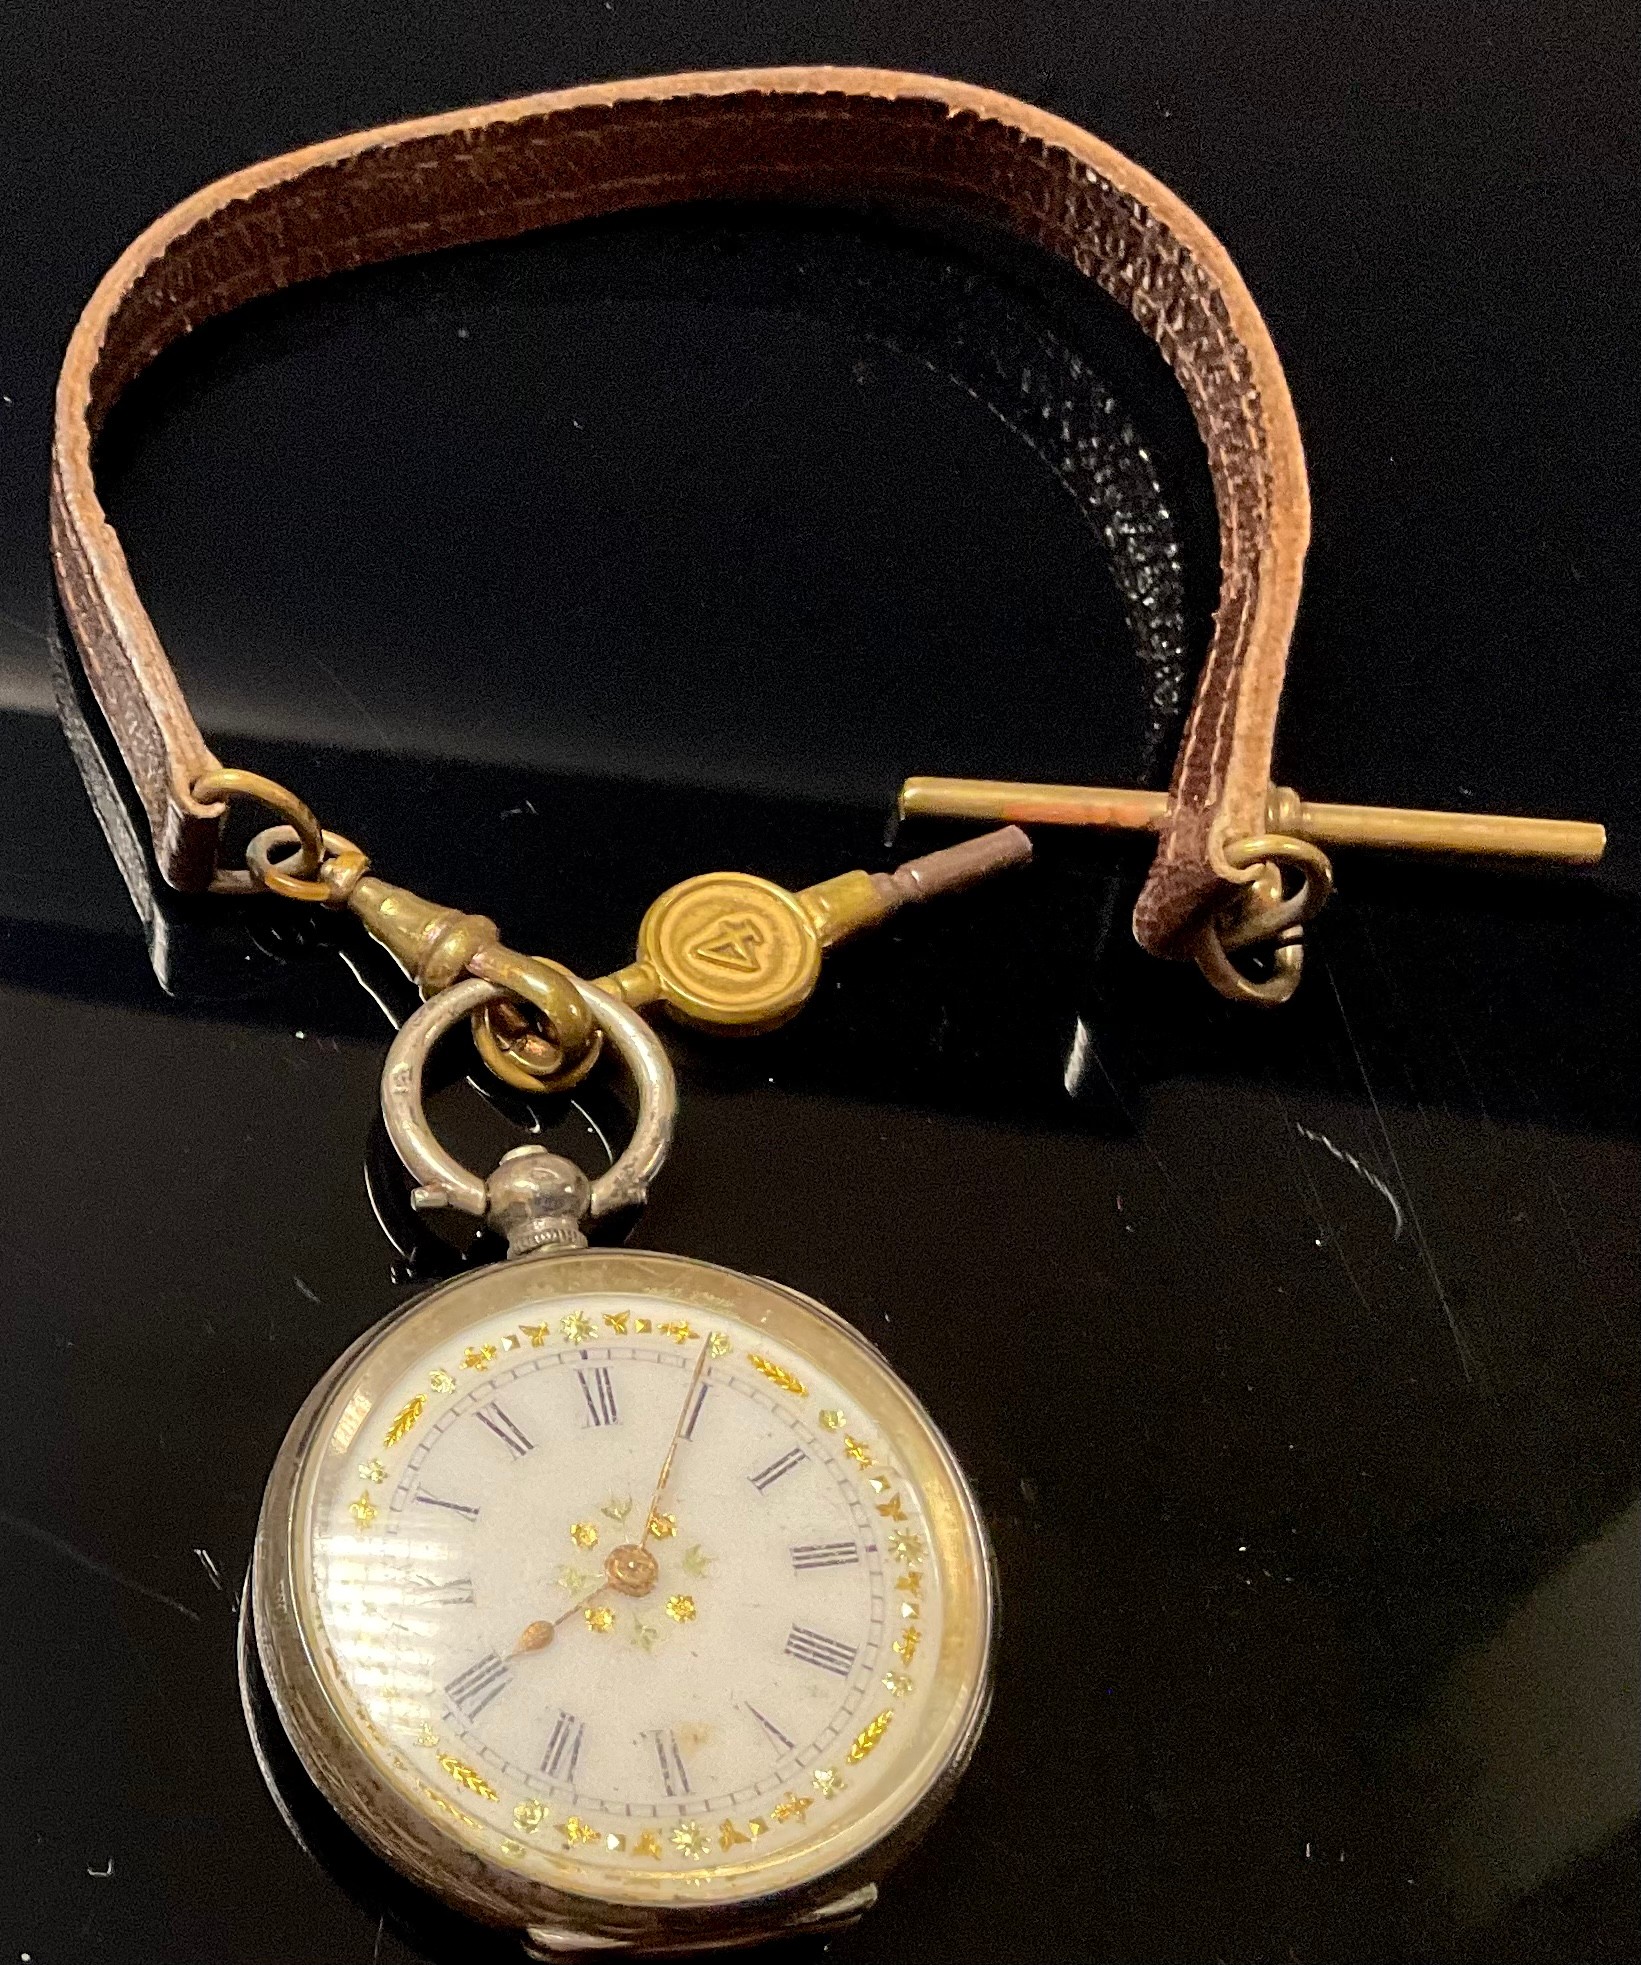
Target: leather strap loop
(510,167)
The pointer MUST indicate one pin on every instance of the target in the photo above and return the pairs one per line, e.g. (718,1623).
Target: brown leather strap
(510,167)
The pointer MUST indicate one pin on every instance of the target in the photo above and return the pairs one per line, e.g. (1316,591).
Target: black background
(1292,1355)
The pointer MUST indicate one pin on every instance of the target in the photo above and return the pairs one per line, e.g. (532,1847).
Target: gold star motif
(374,1472)
(891,1509)
(718,1345)
(537,1334)
(617,1509)
(584,1535)
(663,1527)
(575,1831)
(697,1561)
(860,1455)
(478,1357)
(792,1807)
(364,1511)
(832,1419)
(905,1646)
(897,1684)
(647,1844)
(680,1330)
(827,1780)
(644,1635)
(575,1580)
(688,1840)
(576,1328)
(441,1380)
(617,1320)
(681,1609)
(911,1582)
(599,1616)
(729,1835)
(904,1546)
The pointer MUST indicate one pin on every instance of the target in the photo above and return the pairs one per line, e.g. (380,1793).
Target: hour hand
(630,1570)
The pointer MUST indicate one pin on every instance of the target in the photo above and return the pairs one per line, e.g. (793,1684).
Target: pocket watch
(617,1597)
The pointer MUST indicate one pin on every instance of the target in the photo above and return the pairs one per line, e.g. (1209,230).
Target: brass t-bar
(1488,833)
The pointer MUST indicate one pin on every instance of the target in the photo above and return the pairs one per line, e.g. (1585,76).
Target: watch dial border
(310,1704)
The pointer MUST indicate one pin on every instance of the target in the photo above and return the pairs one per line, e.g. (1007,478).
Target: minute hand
(672,1445)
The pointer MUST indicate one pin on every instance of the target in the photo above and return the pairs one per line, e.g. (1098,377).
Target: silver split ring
(443,1182)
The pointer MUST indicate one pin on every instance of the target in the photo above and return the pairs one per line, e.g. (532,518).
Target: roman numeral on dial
(558,1763)
(471,1691)
(766,1478)
(696,1404)
(824,1555)
(599,1394)
(825,1652)
(506,1429)
(456,1507)
(674,1774)
(425,1590)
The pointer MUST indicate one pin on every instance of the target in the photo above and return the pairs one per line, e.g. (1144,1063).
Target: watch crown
(536,1199)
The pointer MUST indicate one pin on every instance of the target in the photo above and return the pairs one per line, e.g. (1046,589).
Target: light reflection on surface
(1543,1723)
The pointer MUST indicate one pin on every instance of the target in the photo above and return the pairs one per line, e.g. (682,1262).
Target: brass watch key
(736,952)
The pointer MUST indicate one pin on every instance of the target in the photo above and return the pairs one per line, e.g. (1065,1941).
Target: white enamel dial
(645,1589)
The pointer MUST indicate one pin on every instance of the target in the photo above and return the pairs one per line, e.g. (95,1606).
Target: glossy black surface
(1293,1356)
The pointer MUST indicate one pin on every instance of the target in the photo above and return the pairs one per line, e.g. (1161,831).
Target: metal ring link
(341,868)
(1265,914)
(1273,912)
(443,1182)
(1287,964)
(518,1054)
(571,1037)
(225,783)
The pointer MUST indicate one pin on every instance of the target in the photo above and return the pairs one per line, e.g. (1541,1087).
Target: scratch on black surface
(1084,1050)
(1350,1160)
(348,696)
(1460,1343)
(303,1289)
(1335,1248)
(33,1532)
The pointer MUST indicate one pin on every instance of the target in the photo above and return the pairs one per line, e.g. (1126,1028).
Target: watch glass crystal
(641,1578)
